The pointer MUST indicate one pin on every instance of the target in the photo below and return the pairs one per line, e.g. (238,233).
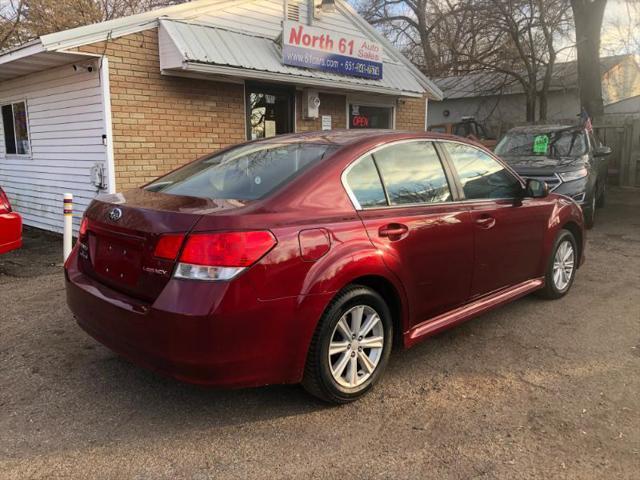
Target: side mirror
(536,188)
(602,151)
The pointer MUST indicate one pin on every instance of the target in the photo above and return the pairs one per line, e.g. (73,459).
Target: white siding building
(65,152)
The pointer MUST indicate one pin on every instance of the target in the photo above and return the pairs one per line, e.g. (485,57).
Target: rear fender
(311,285)
(341,267)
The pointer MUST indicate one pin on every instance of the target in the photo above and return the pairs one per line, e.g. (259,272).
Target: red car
(304,258)
(10,226)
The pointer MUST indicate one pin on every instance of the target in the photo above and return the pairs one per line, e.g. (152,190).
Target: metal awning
(200,49)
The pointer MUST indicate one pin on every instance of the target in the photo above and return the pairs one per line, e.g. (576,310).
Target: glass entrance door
(269,111)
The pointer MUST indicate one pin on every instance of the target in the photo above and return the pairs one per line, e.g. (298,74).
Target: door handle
(393,230)
(486,222)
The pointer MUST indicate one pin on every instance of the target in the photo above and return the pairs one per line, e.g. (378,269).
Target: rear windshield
(247,172)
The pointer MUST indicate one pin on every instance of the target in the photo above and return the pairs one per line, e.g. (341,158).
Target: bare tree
(588,16)
(11,16)
(516,42)
(413,26)
(22,20)
(622,28)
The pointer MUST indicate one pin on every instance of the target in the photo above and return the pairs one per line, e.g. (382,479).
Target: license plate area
(118,261)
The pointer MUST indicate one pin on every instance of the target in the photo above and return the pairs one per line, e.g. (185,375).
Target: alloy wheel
(563,264)
(356,346)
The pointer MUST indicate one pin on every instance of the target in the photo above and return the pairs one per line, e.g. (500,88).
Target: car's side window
(412,173)
(480,174)
(364,181)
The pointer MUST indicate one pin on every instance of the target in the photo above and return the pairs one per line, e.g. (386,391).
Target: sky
(616,21)
(617,13)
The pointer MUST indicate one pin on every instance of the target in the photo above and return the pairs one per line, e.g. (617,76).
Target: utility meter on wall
(311,103)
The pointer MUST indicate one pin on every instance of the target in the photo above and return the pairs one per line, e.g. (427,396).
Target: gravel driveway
(537,389)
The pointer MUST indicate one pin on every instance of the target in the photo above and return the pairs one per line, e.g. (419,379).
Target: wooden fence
(623,136)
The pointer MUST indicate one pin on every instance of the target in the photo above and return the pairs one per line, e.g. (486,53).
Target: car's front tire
(351,346)
(602,198)
(561,269)
(589,211)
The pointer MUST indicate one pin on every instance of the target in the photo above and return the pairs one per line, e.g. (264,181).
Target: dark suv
(568,158)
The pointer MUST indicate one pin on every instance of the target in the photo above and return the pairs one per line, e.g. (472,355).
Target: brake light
(222,256)
(5,206)
(168,246)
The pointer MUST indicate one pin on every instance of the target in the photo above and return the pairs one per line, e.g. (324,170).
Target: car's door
(508,228)
(407,206)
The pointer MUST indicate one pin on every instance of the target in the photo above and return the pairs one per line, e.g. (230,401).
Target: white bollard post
(67,238)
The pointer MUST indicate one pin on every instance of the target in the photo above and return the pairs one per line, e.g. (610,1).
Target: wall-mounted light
(328,6)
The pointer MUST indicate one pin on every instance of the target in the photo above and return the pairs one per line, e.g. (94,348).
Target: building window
(269,111)
(363,116)
(16,133)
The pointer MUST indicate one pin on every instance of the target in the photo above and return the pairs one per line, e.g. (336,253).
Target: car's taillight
(84,224)
(168,246)
(5,206)
(222,256)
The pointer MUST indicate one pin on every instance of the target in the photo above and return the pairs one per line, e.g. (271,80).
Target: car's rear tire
(350,348)
(561,269)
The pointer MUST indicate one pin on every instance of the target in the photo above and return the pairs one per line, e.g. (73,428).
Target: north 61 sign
(311,47)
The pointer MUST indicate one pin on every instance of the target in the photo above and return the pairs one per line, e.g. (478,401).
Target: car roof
(344,137)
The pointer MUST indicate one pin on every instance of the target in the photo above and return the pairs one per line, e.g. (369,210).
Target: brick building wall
(161,122)
(410,114)
(330,104)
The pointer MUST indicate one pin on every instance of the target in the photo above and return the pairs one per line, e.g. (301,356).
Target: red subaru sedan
(305,258)
(10,226)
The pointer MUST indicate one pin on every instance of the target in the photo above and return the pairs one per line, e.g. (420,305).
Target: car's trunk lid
(123,231)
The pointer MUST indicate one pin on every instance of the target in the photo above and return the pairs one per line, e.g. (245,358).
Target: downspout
(311,11)
(426,113)
(108,125)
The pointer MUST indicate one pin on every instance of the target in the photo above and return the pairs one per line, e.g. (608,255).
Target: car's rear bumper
(10,232)
(215,333)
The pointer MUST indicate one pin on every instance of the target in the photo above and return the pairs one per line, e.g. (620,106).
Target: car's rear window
(247,172)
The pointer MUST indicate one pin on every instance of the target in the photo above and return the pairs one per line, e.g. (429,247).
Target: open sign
(360,121)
